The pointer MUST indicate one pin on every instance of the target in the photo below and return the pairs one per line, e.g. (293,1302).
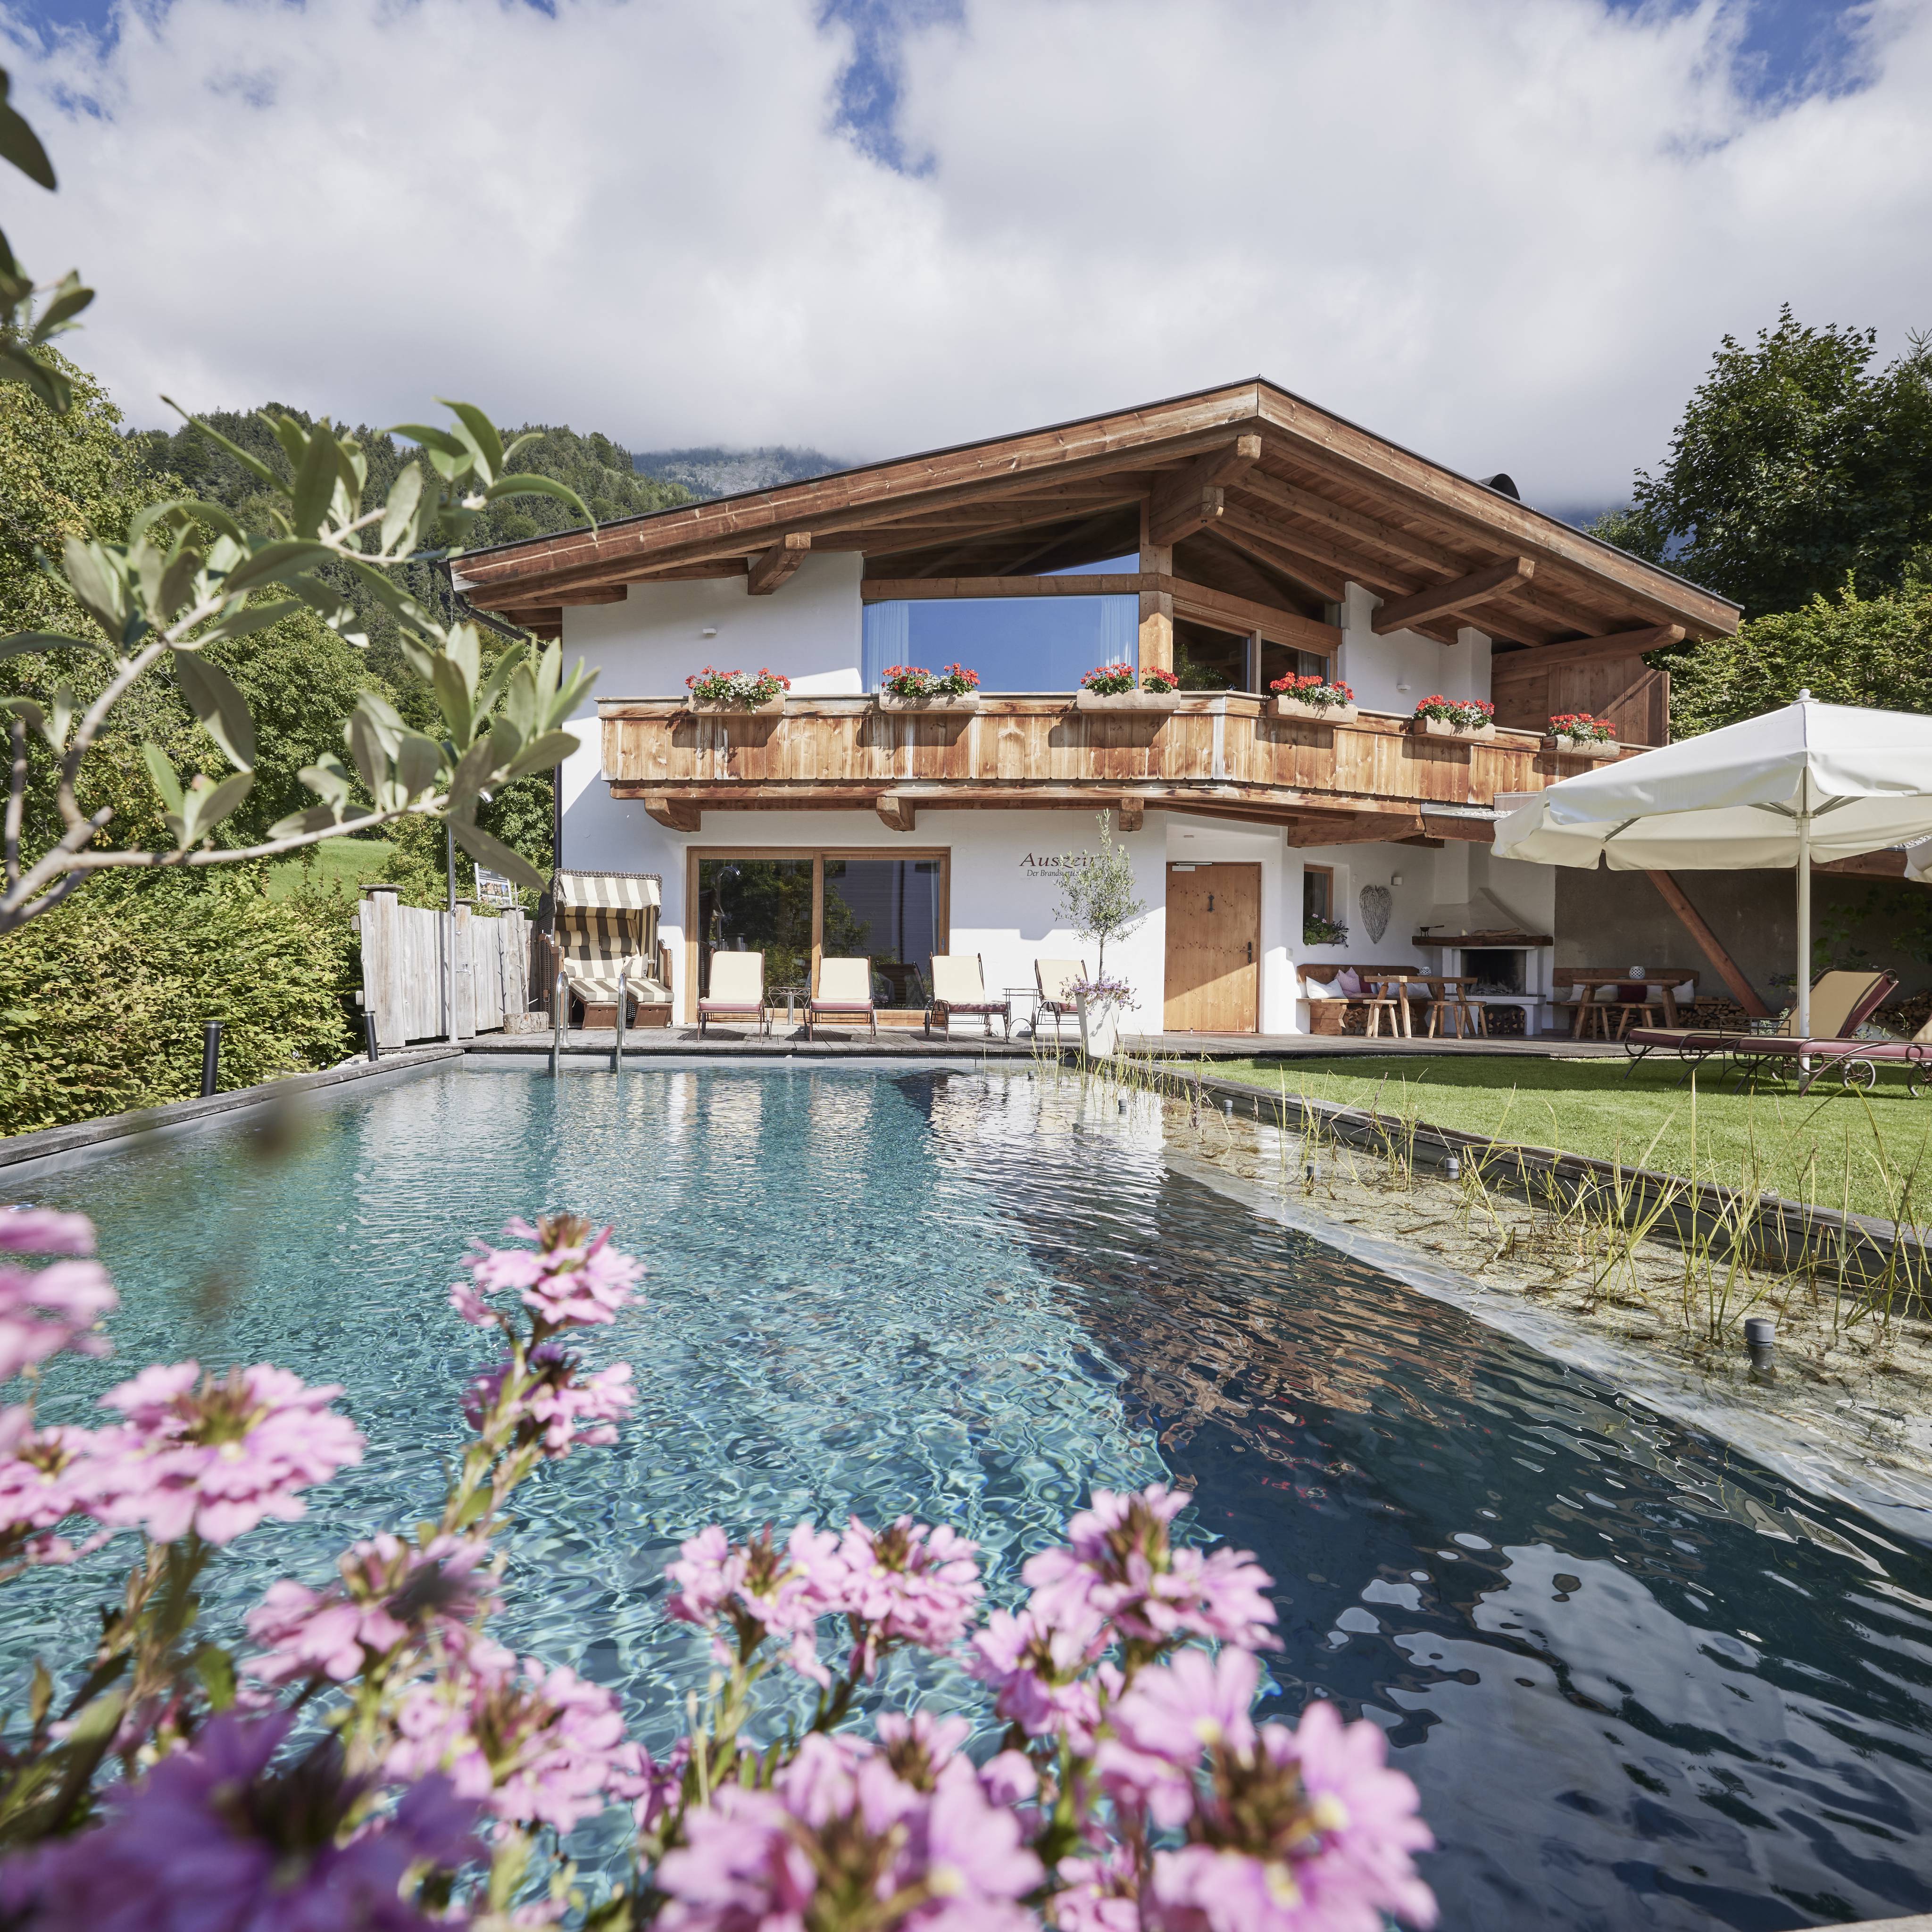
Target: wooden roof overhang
(1255,493)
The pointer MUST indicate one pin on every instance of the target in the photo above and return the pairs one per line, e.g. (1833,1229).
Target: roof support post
(1157,619)
(1742,990)
(1133,812)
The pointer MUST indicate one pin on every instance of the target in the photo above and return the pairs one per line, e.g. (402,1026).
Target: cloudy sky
(1507,232)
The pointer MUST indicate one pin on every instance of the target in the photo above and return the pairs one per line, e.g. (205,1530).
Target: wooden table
(1402,981)
(1587,984)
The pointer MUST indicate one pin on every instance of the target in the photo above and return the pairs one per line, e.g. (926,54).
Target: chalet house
(1235,536)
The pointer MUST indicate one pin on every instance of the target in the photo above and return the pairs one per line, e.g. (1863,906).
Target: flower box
(1443,728)
(1318,714)
(1127,701)
(772,707)
(967,700)
(1566,747)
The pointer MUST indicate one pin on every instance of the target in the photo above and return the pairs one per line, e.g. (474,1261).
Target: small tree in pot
(1097,898)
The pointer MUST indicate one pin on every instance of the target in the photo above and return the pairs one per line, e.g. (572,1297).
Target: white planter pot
(1127,701)
(1598,749)
(1332,714)
(1099,1029)
(1440,727)
(773,707)
(970,701)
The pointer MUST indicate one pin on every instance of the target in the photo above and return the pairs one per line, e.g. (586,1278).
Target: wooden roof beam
(1310,573)
(1337,516)
(778,564)
(1192,498)
(897,812)
(1443,600)
(1582,650)
(678,814)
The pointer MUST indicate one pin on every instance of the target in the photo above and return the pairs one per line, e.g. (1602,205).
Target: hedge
(103,1000)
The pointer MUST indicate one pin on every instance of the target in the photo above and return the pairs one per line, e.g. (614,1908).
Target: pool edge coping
(43,1142)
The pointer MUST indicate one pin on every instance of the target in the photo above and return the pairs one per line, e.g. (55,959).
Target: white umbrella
(1811,782)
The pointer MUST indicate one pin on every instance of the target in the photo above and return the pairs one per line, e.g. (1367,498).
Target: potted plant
(1328,701)
(1577,734)
(762,694)
(1439,717)
(1118,687)
(1100,1002)
(911,688)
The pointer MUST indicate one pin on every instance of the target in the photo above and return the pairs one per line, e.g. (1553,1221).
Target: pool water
(1638,1682)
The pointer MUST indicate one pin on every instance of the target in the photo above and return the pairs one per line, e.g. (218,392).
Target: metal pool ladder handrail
(556,997)
(623,999)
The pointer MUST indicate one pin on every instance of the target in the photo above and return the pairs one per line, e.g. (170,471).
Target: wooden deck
(1221,754)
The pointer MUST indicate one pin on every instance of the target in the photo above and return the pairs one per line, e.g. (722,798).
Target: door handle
(1251,952)
(1211,902)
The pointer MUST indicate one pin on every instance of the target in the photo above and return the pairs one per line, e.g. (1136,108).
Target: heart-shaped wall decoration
(1377,902)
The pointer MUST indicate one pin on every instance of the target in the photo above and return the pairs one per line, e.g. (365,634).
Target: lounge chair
(737,991)
(1053,978)
(844,992)
(607,924)
(1841,1002)
(959,986)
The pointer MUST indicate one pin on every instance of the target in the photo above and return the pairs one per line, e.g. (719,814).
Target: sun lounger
(959,986)
(1841,1002)
(1054,978)
(844,993)
(737,991)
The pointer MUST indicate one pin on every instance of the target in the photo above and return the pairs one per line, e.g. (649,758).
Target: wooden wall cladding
(1632,696)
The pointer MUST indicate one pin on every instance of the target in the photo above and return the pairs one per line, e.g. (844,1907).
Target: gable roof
(1297,502)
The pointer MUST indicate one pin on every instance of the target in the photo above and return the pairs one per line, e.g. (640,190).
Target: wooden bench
(1330,1016)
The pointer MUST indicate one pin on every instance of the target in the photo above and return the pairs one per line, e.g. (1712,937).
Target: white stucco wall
(1377,668)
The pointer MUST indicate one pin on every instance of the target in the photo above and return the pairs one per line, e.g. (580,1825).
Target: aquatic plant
(378,1759)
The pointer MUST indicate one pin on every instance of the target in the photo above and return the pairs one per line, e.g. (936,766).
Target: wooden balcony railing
(1224,754)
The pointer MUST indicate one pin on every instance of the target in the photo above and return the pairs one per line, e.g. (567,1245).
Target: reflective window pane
(756,905)
(886,910)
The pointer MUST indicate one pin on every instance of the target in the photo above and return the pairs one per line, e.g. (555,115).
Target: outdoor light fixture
(709,630)
(1760,1336)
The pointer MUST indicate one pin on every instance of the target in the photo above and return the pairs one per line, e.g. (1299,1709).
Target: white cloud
(1507,232)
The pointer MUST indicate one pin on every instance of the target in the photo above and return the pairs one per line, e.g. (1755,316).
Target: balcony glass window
(887,910)
(756,905)
(1015,644)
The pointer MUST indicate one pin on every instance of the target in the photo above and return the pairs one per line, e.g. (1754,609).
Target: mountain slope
(717,472)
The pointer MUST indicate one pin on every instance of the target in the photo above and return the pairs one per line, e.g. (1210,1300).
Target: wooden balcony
(1219,755)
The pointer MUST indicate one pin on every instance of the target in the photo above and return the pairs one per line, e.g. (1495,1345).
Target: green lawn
(347,863)
(1821,1147)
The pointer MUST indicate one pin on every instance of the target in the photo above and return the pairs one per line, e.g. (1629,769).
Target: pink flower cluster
(44,1310)
(572,1279)
(908,1584)
(214,1841)
(540,1748)
(555,1409)
(392,1593)
(1284,1829)
(215,1455)
(840,1834)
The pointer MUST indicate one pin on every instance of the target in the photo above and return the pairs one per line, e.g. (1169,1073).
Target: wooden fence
(408,982)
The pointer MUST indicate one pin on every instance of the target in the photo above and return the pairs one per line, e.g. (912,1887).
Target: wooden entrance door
(1213,949)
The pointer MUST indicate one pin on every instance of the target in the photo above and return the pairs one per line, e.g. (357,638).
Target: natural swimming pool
(1636,1682)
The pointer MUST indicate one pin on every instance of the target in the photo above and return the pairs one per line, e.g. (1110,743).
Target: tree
(1096,892)
(1797,465)
(185,578)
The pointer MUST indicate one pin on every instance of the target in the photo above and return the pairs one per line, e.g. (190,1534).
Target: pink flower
(837,1831)
(540,1749)
(1168,1719)
(44,1231)
(44,1310)
(560,1408)
(657,1786)
(214,1841)
(759,1591)
(1043,1674)
(46,1475)
(907,1583)
(392,1593)
(572,1280)
(1098,1893)
(218,1457)
(1122,1565)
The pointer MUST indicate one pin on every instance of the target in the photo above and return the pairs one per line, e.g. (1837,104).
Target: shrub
(103,1000)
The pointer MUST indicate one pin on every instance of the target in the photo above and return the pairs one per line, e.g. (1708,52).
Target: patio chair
(844,992)
(1841,1002)
(1053,978)
(737,991)
(959,986)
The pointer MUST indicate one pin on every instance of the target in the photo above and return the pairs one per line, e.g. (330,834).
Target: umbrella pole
(1804,925)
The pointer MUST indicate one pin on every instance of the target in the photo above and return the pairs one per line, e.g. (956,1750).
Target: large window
(799,908)
(1015,644)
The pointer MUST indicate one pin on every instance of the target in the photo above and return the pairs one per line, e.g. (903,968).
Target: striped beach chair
(607,923)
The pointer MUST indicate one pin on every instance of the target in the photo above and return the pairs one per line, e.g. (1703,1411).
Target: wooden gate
(1213,949)
(418,962)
